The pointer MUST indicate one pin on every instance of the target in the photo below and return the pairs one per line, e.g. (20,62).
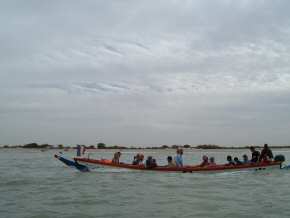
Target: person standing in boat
(266,154)
(178,158)
(255,155)
(116,158)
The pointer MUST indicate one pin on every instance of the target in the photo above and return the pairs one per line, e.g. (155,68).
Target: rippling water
(34,184)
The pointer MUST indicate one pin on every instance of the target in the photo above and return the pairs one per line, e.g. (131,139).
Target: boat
(72,163)
(93,163)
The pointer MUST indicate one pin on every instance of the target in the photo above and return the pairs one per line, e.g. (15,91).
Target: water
(34,184)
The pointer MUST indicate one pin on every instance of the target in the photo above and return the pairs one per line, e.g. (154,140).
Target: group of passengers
(138,159)
(265,155)
(207,161)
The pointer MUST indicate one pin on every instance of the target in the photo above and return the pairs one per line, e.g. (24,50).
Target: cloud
(165,72)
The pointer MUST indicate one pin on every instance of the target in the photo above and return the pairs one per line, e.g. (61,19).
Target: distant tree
(174,146)
(92,147)
(186,146)
(60,146)
(101,145)
(164,146)
(208,147)
(31,145)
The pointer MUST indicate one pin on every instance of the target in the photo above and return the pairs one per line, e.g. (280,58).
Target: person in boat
(154,163)
(135,161)
(170,162)
(178,158)
(266,154)
(138,159)
(255,155)
(151,162)
(245,159)
(212,161)
(148,161)
(204,161)
(230,160)
(237,161)
(116,157)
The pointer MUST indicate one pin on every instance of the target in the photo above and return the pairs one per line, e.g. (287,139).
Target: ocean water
(34,184)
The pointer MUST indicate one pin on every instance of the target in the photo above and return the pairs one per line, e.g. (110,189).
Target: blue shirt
(178,160)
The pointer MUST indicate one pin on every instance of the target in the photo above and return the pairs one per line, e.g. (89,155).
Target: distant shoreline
(102,146)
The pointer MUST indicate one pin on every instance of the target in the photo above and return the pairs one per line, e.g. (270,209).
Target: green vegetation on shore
(104,146)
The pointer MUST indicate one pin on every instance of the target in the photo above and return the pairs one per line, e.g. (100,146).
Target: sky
(145,72)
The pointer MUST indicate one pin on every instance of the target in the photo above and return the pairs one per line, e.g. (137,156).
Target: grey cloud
(165,72)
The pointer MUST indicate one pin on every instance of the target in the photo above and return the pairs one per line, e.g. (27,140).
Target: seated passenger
(170,162)
(150,162)
(237,161)
(135,160)
(212,161)
(245,159)
(204,161)
(116,158)
(255,155)
(266,154)
(154,163)
(230,160)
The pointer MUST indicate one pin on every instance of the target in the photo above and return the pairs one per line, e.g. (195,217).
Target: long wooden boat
(93,163)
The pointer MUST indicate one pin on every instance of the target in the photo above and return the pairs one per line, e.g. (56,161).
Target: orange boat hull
(189,168)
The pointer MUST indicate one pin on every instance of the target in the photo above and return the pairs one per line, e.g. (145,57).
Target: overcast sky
(145,72)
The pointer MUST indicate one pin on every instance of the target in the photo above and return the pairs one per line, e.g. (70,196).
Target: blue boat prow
(72,163)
